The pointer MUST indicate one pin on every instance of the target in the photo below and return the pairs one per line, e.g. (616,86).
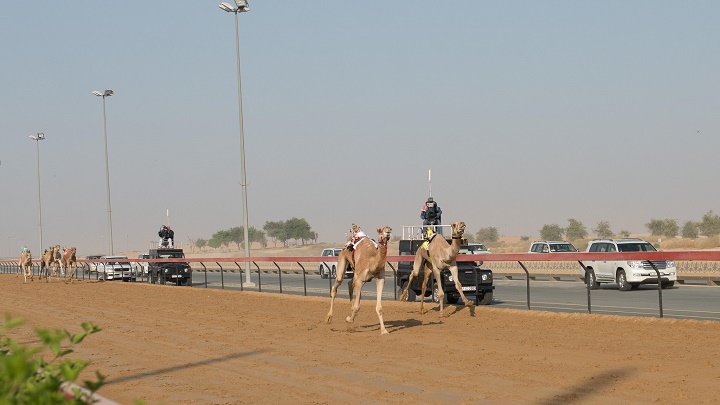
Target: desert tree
(575,230)
(710,225)
(551,232)
(690,230)
(487,234)
(602,230)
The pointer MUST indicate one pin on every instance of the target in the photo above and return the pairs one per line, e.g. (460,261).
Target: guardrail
(503,265)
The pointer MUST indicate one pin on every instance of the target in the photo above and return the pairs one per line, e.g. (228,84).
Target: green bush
(27,378)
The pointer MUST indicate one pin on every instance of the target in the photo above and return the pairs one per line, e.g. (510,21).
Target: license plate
(175,276)
(469,288)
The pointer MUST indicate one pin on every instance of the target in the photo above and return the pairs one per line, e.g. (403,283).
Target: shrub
(27,378)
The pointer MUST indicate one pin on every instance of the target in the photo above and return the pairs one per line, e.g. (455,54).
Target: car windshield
(636,247)
(472,249)
(172,256)
(562,247)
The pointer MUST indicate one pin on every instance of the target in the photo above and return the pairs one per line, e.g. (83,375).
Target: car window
(562,247)
(636,247)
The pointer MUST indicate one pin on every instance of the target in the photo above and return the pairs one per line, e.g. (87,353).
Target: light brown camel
(69,262)
(47,262)
(438,256)
(25,265)
(368,261)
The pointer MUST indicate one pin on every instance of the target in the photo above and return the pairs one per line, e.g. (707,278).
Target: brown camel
(69,262)
(25,265)
(48,262)
(368,261)
(436,257)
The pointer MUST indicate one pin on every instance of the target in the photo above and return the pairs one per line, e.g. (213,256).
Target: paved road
(683,301)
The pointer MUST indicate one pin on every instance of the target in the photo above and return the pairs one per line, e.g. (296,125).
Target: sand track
(177,345)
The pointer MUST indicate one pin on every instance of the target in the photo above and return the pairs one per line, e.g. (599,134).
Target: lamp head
(242,5)
(40,136)
(226,7)
(97,93)
(108,93)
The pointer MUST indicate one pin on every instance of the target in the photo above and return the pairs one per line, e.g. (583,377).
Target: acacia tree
(551,232)
(710,225)
(602,230)
(200,243)
(575,230)
(666,227)
(487,234)
(690,230)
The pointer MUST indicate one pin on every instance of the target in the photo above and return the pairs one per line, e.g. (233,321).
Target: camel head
(458,229)
(384,235)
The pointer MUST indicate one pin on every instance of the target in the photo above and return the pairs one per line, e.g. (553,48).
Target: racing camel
(436,257)
(69,262)
(49,261)
(368,261)
(25,265)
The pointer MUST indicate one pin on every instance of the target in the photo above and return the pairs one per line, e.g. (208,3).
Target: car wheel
(668,284)
(623,284)
(452,299)
(410,292)
(322,272)
(590,279)
(436,294)
(334,272)
(486,298)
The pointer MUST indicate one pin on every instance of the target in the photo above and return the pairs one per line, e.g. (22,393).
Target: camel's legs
(342,264)
(441,293)
(458,286)
(356,303)
(417,265)
(426,277)
(380,282)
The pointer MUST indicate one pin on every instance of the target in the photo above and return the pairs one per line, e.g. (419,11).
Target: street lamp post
(107,93)
(242,6)
(40,136)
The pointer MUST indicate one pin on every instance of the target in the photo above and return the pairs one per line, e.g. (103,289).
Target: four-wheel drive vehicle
(551,246)
(115,270)
(329,267)
(141,268)
(92,266)
(628,274)
(178,273)
(476,282)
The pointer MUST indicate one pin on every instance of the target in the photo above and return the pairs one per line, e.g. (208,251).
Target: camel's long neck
(455,245)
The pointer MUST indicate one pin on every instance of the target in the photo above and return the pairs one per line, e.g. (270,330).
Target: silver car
(116,270)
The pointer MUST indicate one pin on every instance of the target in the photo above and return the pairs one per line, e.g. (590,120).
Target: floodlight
(241,3)
(32,137)
(227,7)
(97,93)
(41,136)
(108,93)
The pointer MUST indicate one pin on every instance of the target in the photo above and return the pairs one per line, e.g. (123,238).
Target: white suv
(328,268)
(551,246)
(628,274)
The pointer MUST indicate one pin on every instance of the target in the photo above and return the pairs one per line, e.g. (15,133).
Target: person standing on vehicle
(166,236)
(431,214)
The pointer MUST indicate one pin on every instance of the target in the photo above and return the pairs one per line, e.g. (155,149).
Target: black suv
(476,282)
(177,272)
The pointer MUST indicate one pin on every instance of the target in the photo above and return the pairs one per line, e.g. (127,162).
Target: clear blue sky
(527,112)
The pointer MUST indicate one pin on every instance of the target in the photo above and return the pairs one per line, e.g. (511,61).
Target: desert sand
(179,345)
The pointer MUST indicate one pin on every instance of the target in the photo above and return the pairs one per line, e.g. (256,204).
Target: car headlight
(635,264)
(166,270)
(484,277)
(450,279)
(670,263)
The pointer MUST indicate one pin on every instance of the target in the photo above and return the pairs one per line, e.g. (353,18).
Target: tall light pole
(242,6)
(107,93)
(40,136)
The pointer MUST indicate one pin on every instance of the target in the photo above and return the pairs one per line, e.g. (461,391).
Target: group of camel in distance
(368,262)
(52,259)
